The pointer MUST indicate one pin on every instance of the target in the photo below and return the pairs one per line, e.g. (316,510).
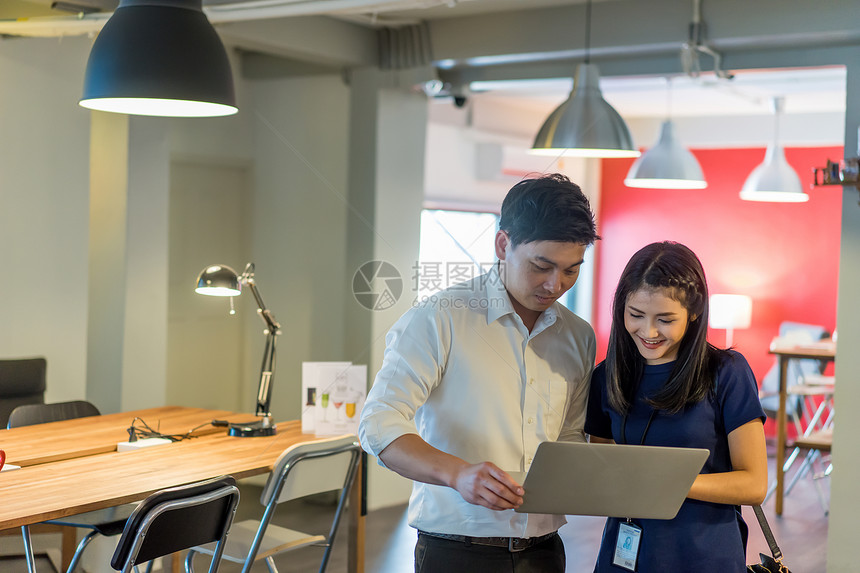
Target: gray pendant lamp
(774,180)
(667,165)
(585,125)
(159,57)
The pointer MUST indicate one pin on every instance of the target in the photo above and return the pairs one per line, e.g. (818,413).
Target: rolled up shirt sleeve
(415,352)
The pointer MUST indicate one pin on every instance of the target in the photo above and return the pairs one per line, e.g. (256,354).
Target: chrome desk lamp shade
(218,280)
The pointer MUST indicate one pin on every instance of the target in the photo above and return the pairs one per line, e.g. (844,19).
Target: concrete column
(127,302)
(144,365)
(386,187)
(107,251)
(841,541)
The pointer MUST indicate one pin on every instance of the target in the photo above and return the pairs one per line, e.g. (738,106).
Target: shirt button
(529,461)
(531,420)
(531,381)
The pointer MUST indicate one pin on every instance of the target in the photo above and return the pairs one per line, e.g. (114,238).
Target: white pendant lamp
(667,165)
(774,180)
(162,58)
(585,125)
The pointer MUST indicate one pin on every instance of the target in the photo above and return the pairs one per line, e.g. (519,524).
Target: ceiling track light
(585,125)
(160,58)
(774,180)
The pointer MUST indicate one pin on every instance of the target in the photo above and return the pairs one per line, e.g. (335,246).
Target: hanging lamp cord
(588,32)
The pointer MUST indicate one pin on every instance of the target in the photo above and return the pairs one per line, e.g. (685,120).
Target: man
(474,379)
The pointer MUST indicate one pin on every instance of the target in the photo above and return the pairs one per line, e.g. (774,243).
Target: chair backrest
(176,519)
(307,469)
(22,381)
(796,333)
(30,414)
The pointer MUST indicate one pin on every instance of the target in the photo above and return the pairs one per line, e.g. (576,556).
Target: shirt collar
(497,296)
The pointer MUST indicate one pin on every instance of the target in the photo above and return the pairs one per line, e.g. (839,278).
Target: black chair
(105,522)
(22,381)
(30,414)
(301,470)
(178,518)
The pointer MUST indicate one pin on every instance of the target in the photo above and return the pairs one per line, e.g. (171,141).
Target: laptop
(646,482)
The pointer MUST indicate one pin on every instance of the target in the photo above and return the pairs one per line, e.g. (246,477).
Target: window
(455,246)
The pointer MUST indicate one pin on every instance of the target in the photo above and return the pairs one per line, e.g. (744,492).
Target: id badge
(627,545)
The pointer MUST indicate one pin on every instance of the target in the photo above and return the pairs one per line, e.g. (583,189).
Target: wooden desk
(66,479)
(820,351)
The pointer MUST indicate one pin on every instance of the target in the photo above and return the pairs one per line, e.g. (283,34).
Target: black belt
(512,544)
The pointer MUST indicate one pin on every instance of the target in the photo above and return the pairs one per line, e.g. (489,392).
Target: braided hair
(673,270)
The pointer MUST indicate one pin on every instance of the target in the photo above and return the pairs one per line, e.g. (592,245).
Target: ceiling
(384,11)
(806,90)
(493,45)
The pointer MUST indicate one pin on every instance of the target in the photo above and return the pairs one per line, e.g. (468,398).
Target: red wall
(784,255)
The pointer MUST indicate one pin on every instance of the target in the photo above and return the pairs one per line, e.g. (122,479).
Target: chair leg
(801,471)
(28,548)
(824,505)
(76,558)
(270,565)
(189,565)
(325,557)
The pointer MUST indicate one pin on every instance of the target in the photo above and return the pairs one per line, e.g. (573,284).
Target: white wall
(296,200)
(44,189)
(298,234)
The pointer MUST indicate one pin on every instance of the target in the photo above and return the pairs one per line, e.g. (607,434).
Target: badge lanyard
(645,433)
(626,550)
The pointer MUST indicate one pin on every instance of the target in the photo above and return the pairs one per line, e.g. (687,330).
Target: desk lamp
(730,311)
(221,280)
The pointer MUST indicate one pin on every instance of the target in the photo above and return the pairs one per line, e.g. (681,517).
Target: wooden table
(71,467)
(824,350)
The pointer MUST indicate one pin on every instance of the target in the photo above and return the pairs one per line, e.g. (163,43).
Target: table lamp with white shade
(730,311)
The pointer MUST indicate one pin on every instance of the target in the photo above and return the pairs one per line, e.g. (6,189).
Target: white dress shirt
(464,373)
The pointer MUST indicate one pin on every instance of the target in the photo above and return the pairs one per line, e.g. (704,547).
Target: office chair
(105,522)
(30,414)
(818,446)
(175,519)
(807,405)
(299,471)
(22,381)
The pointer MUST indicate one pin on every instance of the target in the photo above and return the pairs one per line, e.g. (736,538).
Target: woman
(663,384)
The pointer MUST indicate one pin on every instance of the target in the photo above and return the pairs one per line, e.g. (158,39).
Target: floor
(801,532)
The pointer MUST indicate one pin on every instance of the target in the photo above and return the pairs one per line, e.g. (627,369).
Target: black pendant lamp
(159,57)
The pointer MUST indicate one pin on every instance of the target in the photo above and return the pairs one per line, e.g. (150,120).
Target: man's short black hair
(548,208)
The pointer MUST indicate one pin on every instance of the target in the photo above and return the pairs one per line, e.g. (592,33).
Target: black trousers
(435,555)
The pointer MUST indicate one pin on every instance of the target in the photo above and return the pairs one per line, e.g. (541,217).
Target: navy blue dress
(703,536)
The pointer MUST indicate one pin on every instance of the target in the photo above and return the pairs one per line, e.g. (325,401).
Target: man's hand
(480,484)
(485,484)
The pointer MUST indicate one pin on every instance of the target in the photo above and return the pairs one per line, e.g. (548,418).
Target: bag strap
(768,534)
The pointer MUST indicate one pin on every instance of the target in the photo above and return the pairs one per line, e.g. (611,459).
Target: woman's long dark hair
(674,270)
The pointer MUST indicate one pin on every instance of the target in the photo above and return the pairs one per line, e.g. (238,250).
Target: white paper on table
(314,375)
(340,402)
